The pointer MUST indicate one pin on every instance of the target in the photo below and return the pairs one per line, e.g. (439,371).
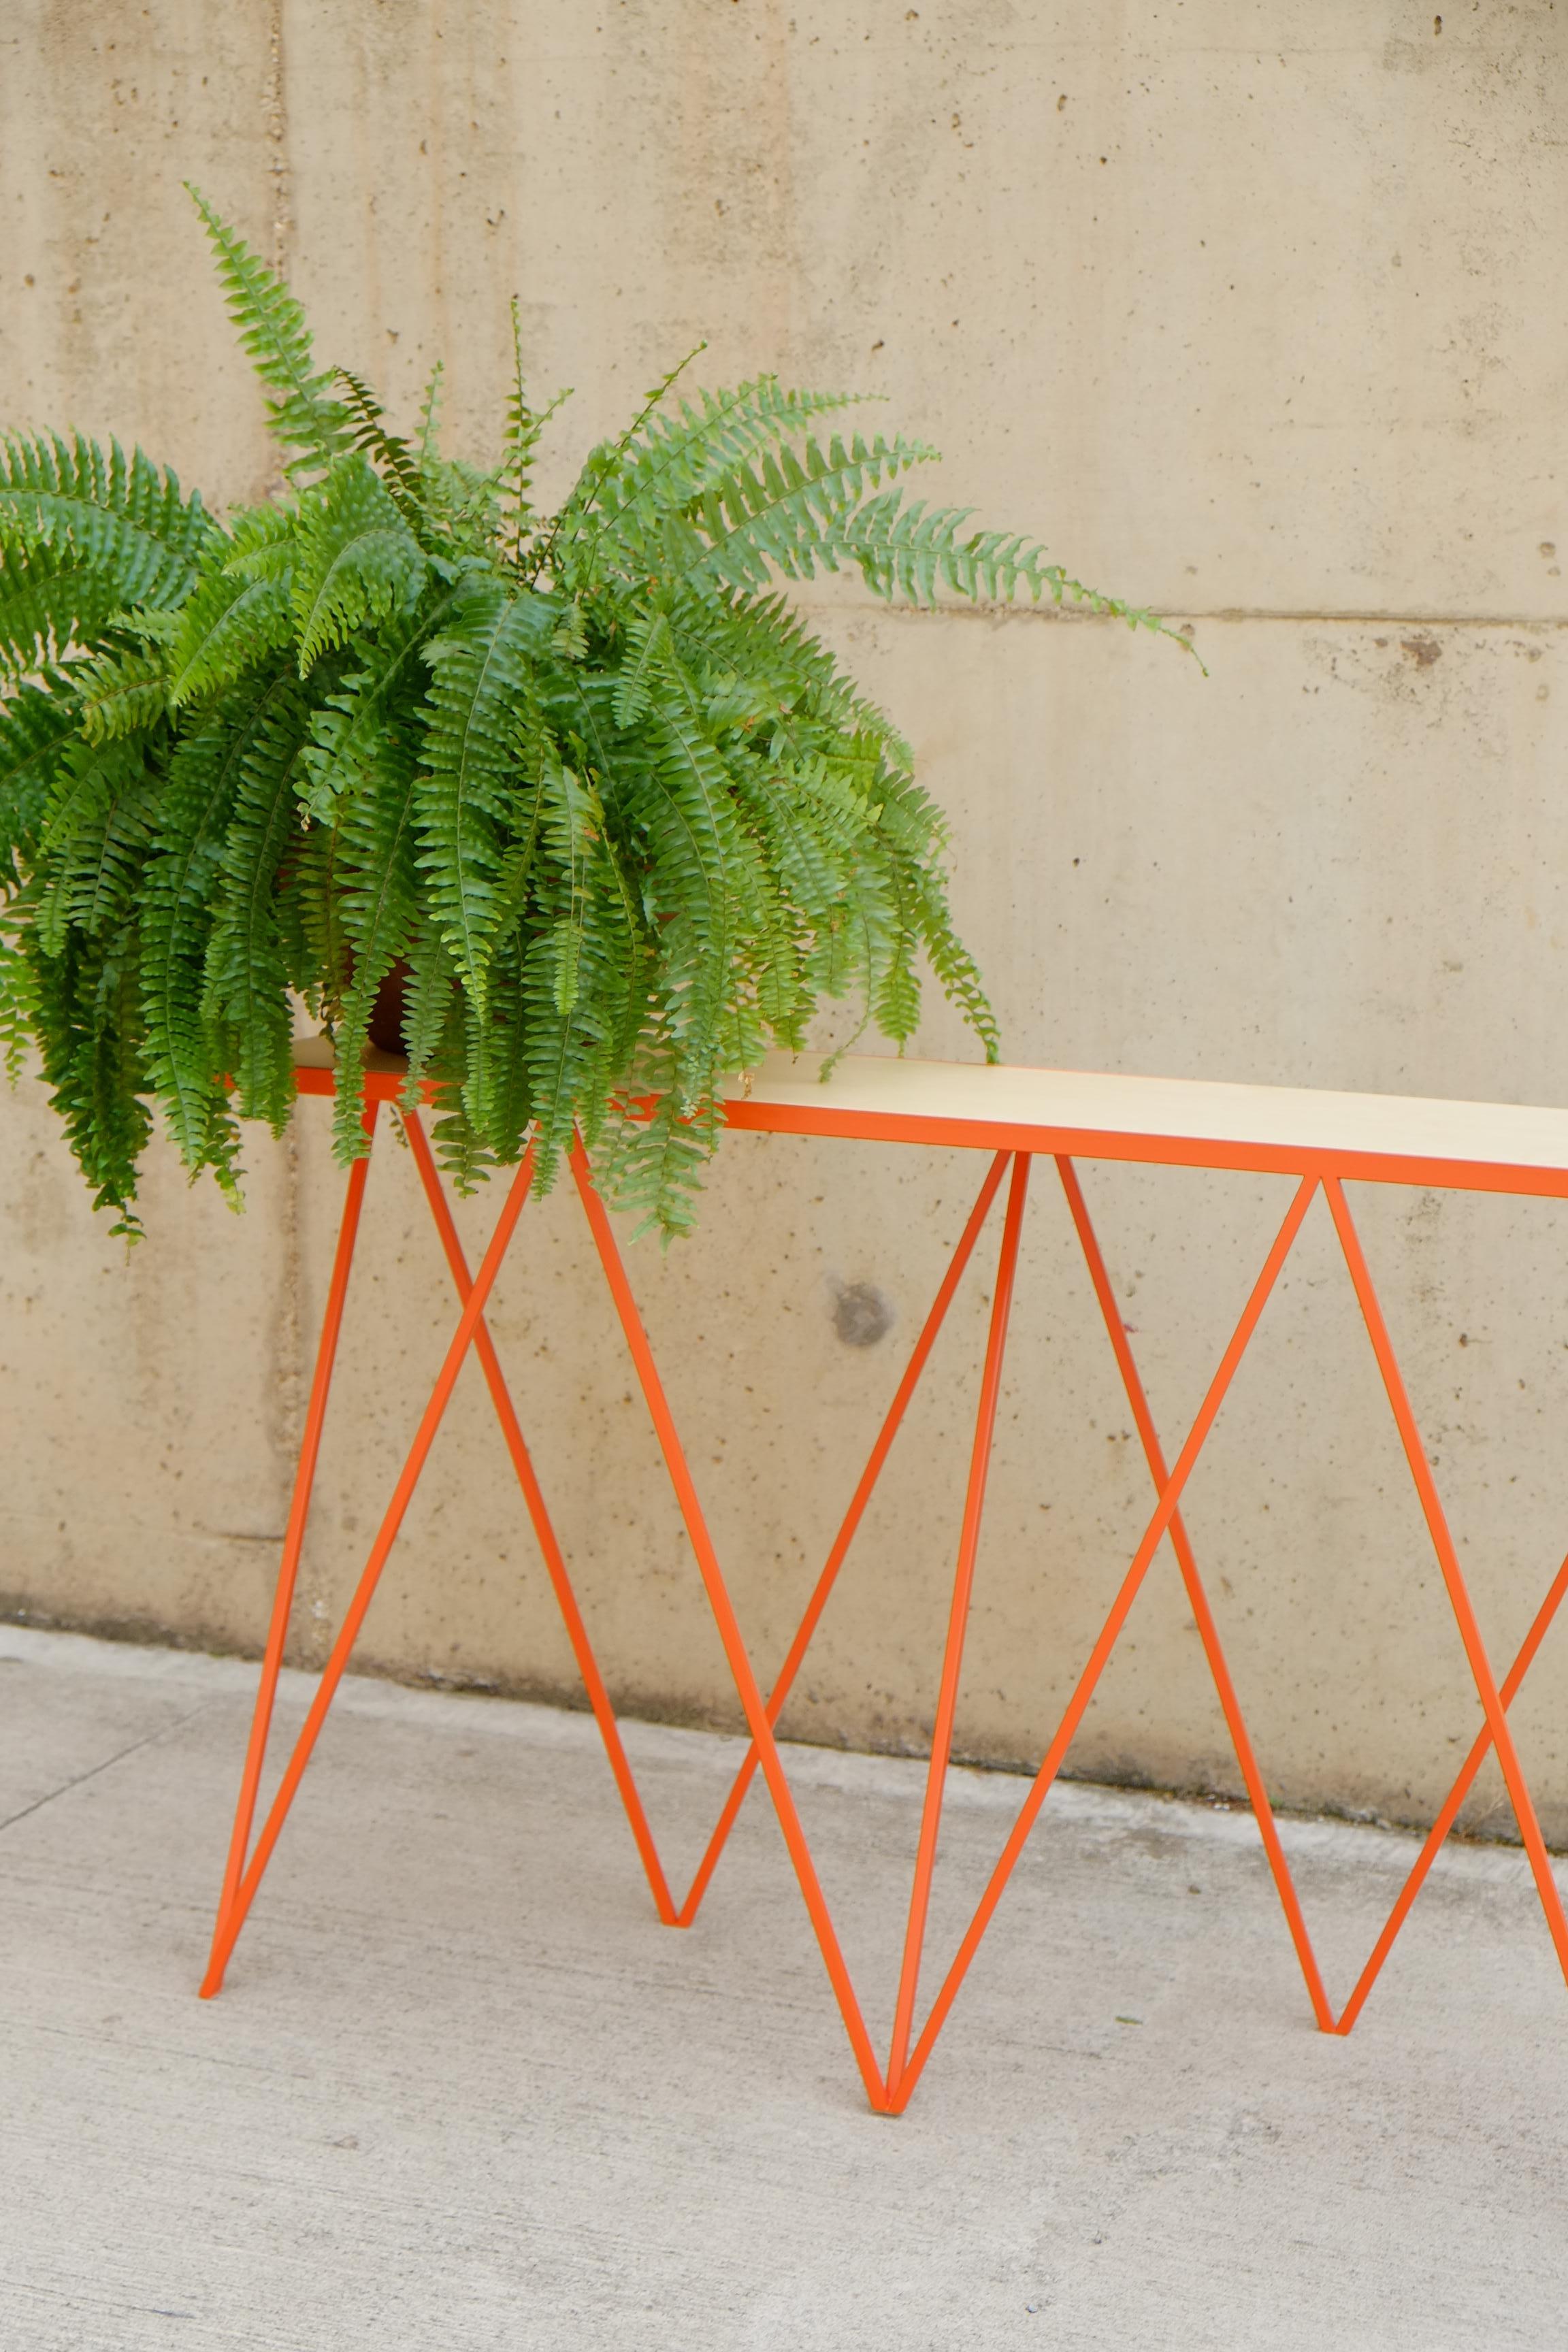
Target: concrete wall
(1253,308)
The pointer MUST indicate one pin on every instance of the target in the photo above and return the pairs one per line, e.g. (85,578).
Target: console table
(1010,1118)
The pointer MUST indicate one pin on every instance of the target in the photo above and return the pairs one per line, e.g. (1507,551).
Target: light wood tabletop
(1097,1115)
(1395,1138)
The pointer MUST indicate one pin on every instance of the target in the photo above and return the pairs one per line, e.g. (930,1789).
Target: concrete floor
(463,2091)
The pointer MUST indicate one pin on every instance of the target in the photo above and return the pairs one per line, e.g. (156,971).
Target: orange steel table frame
(1013,1147)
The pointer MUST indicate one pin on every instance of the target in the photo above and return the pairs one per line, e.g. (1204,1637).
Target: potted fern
(572,799)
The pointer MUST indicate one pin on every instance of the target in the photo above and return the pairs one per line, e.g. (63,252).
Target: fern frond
(463,1152)
(51,601)
(36,724)
(120,517)
(121,693)
(649,640)
(304,415)
(788,513)
(564,965)
(520,438)
(385,669)
(508,1080)
(649,1162)
(356,559)
(808,855)
(244,1001)
(764,641)
(239,615)
(311,922)
(894,1002)
(678,458)
(19,1007)
(464,511)
(951,960)
(711,890)
(204,779)
(95,833)
(429,416)
(429,996)
(86,1020)
(146,624)
(380,901)
(601,463)
(911,550)
(481,683)
(399,466)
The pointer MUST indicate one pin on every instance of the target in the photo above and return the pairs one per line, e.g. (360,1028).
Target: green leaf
(398,464)
(51,600)
(428,1001)
(379,912)
(680,457)
(244,1002)
(357,560)
(479,701)
(787,513)
(205,776)
(386,673)
(36,723)
(239,615)
(524,428)
(910,552)
(305,416)
(18,1008)
(123,693)
(120,517)
(86,1020)
(95,833)
(583,995)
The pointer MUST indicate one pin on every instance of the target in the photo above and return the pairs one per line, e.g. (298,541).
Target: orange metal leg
(1170,1498)
(1491,1701)
(1444,1822)
(462,1339)
(849,1527)
(1204,1615)
(730,1634)
(543,1528)
(294,1536)
(958,1620)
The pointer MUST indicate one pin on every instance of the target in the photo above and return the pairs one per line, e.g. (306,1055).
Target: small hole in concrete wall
(861,1313)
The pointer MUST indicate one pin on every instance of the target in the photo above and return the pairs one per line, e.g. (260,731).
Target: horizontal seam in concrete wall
(1078,613)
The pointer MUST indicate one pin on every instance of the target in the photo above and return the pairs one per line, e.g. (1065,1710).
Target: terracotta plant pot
(387,1013)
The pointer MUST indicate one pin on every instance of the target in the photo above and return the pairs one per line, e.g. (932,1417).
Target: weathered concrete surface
(1286,362)
(1248,313)
(462,2091)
